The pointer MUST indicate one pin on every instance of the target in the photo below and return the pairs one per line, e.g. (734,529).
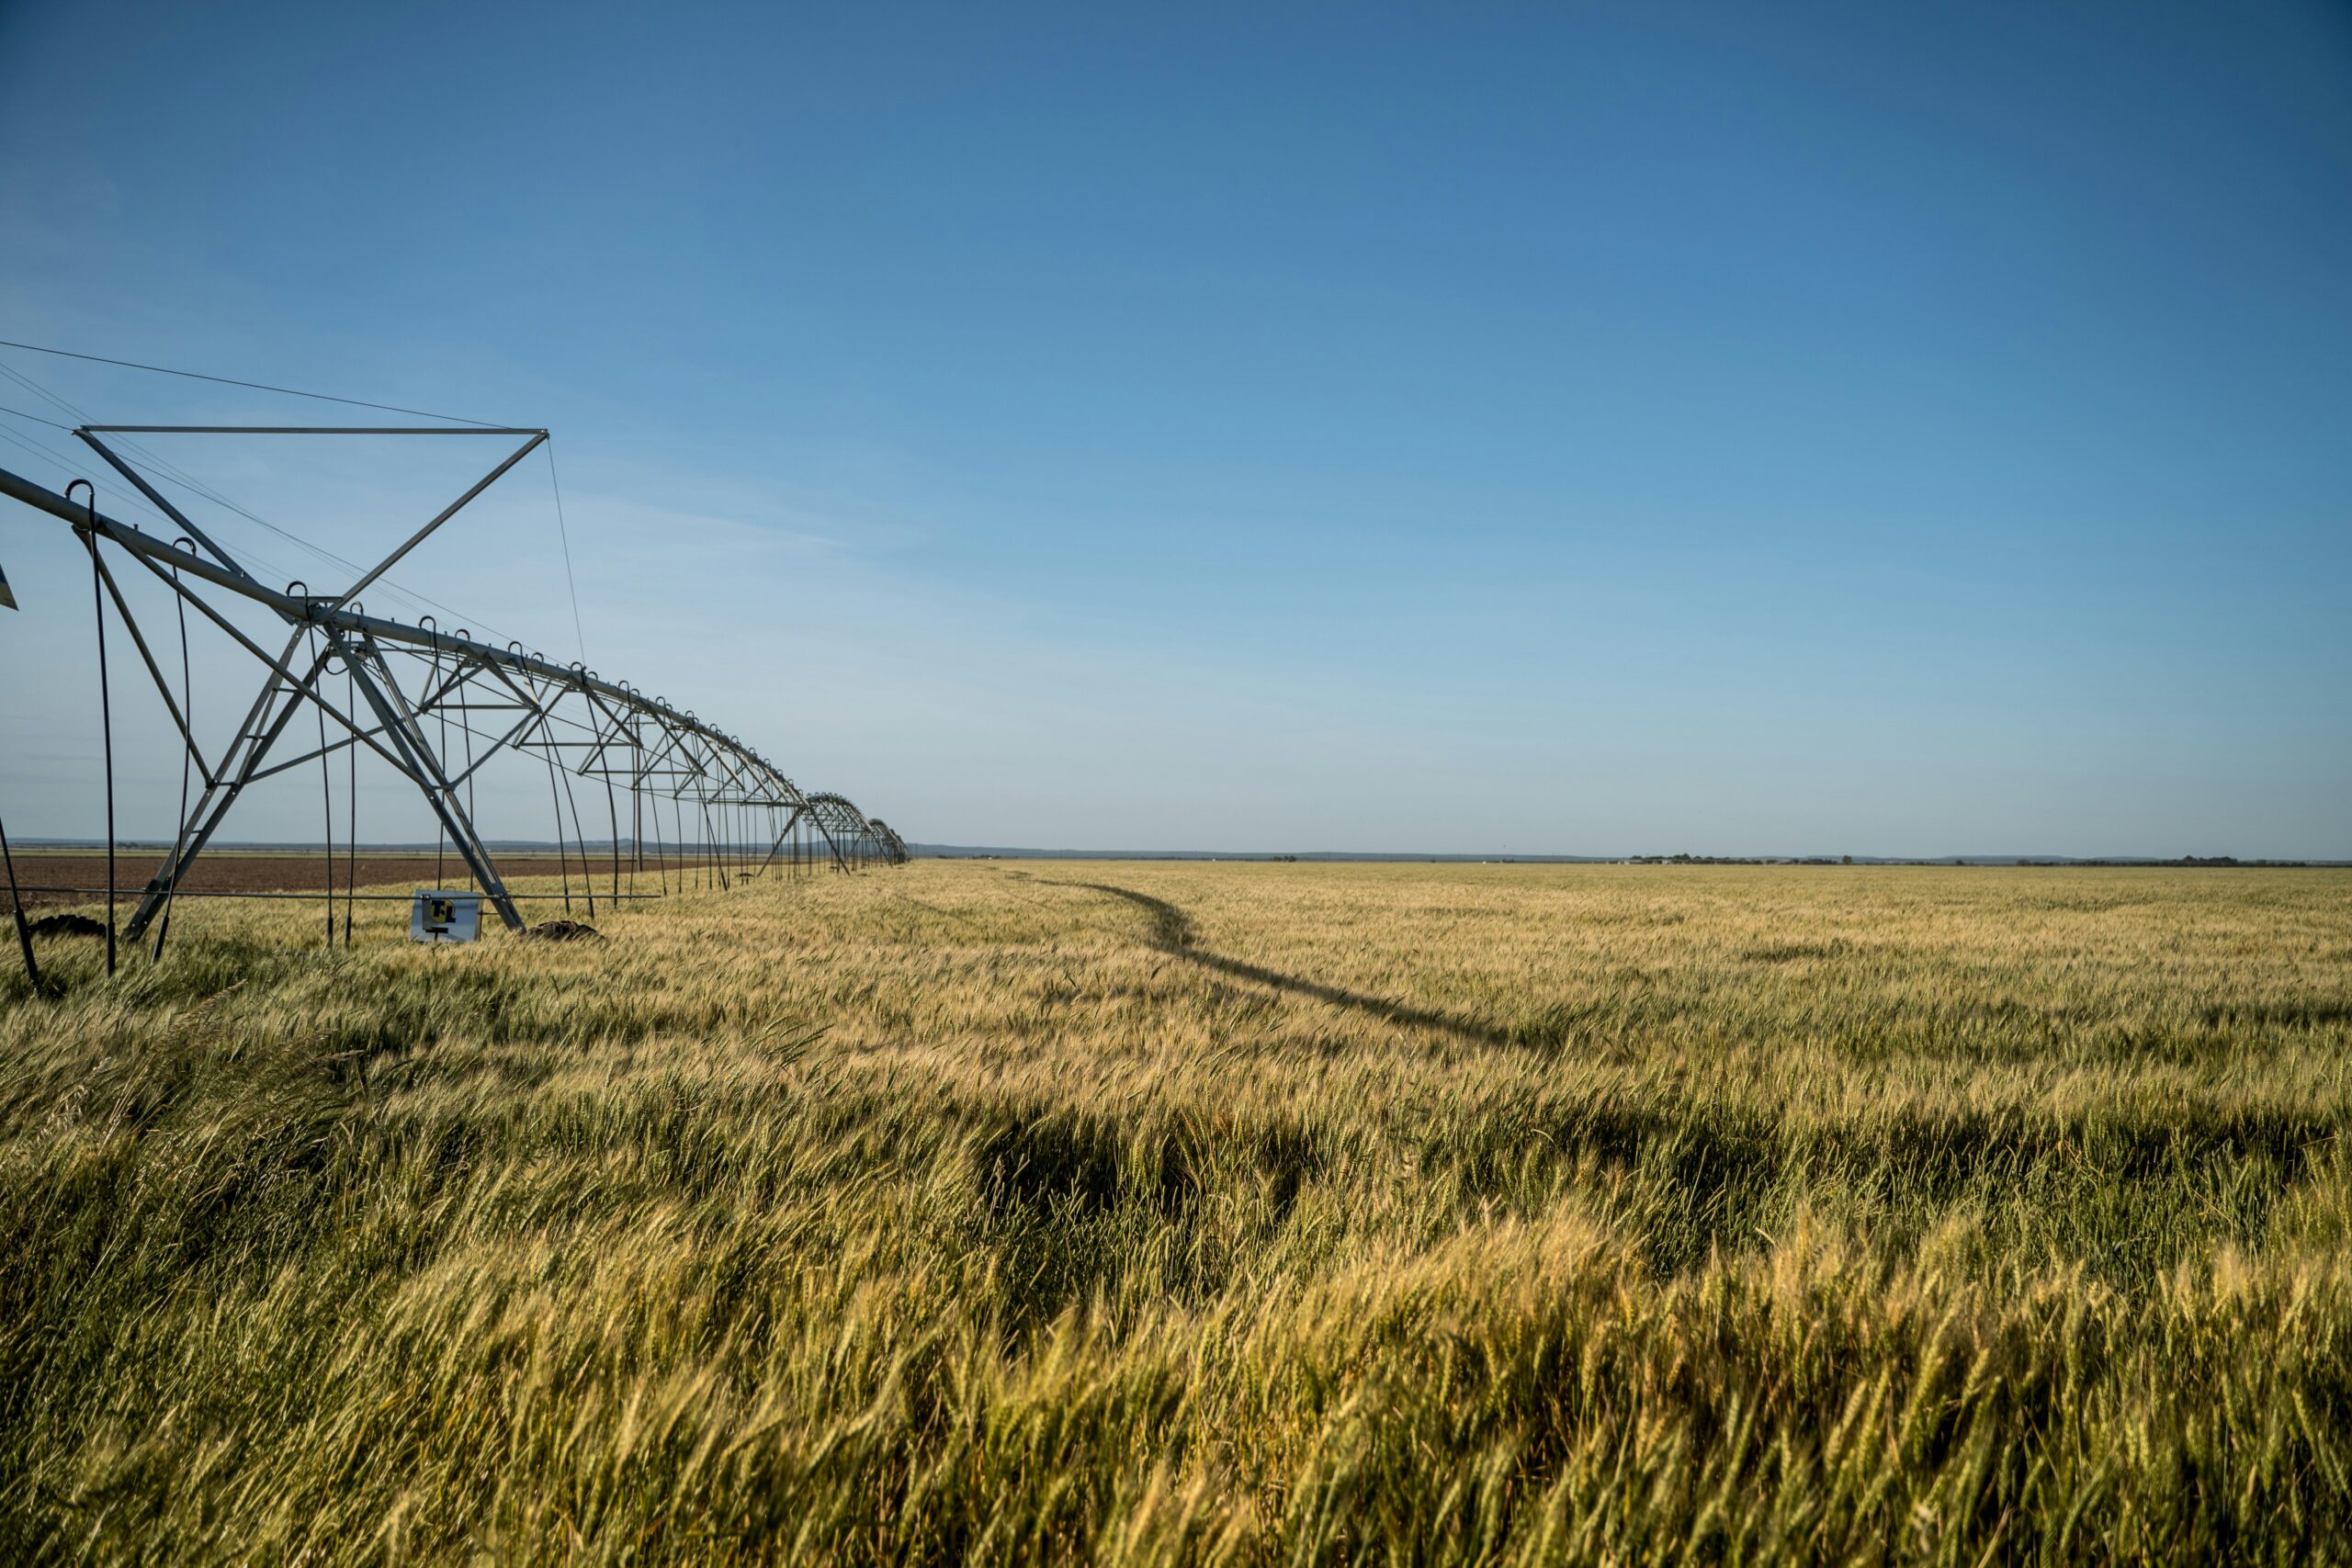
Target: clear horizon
(1462,434)
(921,848)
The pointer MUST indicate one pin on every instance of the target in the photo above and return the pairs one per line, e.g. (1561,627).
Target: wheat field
(1161,1212)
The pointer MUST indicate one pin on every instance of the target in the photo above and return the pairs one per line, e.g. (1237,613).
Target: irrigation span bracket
(573,720)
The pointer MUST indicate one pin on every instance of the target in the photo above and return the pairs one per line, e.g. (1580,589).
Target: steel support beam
(669,751)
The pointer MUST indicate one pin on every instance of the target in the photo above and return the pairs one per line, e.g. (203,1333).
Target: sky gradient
(1801,430)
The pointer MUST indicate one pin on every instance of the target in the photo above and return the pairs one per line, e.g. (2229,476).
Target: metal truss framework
(408,688)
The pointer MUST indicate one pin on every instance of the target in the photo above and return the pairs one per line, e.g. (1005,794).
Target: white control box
(445,917)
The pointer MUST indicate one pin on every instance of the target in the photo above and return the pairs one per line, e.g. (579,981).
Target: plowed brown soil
(41,872)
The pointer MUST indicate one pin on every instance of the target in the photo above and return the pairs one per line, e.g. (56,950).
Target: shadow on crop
(1173,932)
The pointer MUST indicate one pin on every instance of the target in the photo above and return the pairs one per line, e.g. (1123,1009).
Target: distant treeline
(2021,860)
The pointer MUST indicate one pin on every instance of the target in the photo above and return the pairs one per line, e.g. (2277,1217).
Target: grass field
(1171,1213)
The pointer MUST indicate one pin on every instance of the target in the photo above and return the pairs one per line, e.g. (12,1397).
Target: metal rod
(311,430)
(162,688)
(446,513)
(349,743)
(187,694)
(106,705)
(278,663)
(160,502)
(442,795)
(16,904)
(214,804)
(687,758)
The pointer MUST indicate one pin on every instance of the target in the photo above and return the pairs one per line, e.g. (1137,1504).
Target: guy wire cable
(579,632)
(183,477)
(255,386)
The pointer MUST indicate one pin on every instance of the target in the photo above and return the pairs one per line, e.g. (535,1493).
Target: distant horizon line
(998,851)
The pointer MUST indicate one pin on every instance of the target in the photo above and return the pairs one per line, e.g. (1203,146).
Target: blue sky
(1814,429)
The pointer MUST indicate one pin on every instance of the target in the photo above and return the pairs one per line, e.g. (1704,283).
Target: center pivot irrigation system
(435,706)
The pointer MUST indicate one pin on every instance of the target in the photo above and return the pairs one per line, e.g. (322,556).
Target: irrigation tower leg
(255,738)
(401,724)
(789,823)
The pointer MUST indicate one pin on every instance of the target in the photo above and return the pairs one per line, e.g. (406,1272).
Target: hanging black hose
(660,850)
(441,757)
(326,790)
(351,802)
(717,865)
(635,812)
(16,902)
(106,705)
(562,865)
(612,813)
(465,728)
(605,766)
(587,877)
(188,712)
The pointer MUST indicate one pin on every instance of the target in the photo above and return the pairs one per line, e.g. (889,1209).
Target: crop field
(1200,1212)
